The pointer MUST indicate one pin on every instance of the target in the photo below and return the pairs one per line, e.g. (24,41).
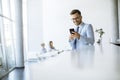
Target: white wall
(100,13)
(50,20)
(35,27)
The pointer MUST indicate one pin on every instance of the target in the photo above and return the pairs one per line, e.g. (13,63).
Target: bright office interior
(46,20)
(55,20)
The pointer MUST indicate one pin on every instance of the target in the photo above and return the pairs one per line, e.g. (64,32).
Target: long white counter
(100,62)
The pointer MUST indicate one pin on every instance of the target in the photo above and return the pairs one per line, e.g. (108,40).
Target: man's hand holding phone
(72,31)
(74,34)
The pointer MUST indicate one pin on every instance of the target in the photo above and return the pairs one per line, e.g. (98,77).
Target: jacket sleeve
(89,38)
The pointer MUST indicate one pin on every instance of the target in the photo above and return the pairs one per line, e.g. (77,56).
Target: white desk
(90,63)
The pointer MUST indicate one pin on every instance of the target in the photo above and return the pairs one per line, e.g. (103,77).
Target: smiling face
(77,18)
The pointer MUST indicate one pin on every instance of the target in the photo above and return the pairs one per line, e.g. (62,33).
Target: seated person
(51,46)
(43,49)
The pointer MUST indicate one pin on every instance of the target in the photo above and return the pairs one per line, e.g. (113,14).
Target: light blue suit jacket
(86,36)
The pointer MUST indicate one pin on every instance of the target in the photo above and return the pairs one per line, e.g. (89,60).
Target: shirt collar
(81,24)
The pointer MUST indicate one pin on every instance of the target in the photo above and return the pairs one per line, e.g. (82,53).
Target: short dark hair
(50,41)
(75,11)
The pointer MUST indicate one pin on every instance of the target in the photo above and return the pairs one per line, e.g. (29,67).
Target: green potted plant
(100,32)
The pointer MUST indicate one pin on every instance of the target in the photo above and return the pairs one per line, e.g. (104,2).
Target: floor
(22,73)
(18,74)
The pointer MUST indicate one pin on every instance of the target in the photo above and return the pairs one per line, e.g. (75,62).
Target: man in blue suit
(83,33)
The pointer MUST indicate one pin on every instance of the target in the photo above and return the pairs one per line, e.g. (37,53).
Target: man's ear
(81,17)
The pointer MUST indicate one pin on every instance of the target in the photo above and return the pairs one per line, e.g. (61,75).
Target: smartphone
(72,31)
